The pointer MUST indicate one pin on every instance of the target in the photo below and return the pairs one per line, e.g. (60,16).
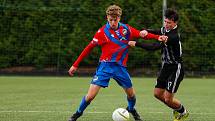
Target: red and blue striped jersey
(114,43)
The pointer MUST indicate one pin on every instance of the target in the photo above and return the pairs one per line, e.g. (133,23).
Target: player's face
(113,21)
(169,24)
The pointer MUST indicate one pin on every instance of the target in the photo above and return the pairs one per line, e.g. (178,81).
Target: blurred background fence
(40,37)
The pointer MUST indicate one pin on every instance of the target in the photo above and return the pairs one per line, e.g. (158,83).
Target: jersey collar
(108,25)
(172,28)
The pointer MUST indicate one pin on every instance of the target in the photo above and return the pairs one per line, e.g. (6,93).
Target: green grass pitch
(56,98)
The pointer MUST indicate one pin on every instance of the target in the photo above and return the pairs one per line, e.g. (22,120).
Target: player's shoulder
(99,35)
(127,25)
(175,34)
(100,30)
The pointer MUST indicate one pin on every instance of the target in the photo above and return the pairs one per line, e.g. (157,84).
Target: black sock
(181,109)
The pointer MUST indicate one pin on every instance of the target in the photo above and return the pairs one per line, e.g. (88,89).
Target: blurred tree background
(47,33)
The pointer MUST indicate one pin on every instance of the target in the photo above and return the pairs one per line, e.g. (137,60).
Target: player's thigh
(101,80)
(163,76)
(122,77)
(102,75)
(159,91)
(175,79)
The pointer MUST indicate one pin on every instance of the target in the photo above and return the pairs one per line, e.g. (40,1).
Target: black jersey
(172,50)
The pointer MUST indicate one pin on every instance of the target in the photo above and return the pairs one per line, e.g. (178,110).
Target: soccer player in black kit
(171,73)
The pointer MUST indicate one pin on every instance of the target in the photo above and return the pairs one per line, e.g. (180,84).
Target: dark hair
(171,14)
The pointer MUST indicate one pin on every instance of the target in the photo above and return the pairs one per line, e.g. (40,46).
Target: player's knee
(130,92)
(89,98)
(158,95)
(131,95)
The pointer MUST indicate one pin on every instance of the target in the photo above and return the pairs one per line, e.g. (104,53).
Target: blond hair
(114,10)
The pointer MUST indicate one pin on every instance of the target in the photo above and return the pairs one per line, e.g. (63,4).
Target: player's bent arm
(132,43)
(149,46)
(153,31)
(83,54)
(151,36)
(146,35)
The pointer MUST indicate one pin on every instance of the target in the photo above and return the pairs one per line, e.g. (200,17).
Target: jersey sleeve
(149,46)
(98,38)
(151,36)
(154,31)
(134,33)
(84,53)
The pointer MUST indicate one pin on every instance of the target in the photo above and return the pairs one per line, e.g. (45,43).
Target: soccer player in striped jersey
(172,72)
(113,38)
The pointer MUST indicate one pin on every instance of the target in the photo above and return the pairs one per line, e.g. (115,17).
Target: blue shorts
(107,70)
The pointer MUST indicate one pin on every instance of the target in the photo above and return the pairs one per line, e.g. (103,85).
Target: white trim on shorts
(176,76)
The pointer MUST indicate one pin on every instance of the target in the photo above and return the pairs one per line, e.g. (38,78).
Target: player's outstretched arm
(146,35)
(72,70)
(143,33)
(83,54)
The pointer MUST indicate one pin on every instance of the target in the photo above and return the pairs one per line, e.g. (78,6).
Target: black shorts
(170,77)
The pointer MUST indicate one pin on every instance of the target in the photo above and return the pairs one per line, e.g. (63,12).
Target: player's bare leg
(179,112)
(92,92)
(159,94)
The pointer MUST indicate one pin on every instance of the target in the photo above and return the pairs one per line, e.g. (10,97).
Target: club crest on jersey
(124,32)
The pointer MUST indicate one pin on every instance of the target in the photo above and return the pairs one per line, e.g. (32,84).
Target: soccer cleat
(180,116)
(134,114)
(175,114)
(75,116)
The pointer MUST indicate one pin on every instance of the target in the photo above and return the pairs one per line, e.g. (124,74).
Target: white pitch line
(31,111)
(96,112)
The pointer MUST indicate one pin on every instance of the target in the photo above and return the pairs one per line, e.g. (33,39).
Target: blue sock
(83,105)
(131,103)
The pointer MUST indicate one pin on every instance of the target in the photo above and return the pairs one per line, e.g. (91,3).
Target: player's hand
(163,38)
(72,70)
(132,43)
(143,33)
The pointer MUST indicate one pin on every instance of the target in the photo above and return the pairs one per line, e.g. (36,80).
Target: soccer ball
(120,114)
